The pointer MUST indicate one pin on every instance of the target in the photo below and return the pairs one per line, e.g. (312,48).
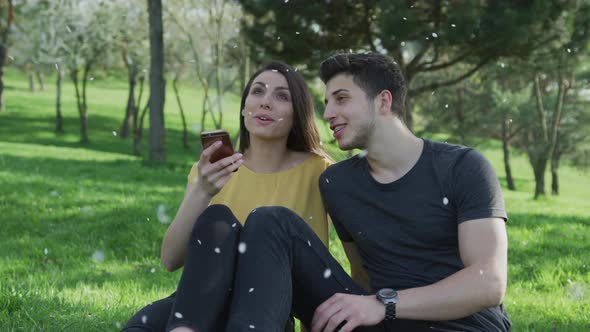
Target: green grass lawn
(80,229)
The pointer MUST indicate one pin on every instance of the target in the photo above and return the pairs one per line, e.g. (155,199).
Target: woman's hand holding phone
(213,176)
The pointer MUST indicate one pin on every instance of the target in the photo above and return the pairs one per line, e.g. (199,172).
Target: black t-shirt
(407,231)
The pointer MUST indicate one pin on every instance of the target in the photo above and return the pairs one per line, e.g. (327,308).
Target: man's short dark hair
(372,72)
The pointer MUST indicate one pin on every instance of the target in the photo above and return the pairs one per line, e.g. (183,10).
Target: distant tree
(30,35)
(576,147)
(506,104)
(175,57)
(157,148)
(210,29)
(132,42)
(427,38)
(6,20)
(552,70)
(39,44)
(573,139)
(87,37)
(485,106)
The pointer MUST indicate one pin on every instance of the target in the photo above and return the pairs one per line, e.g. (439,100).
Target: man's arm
(480,284)
(357,271)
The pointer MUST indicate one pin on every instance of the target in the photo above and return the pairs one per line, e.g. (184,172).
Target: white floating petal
(98,256)
(242,247)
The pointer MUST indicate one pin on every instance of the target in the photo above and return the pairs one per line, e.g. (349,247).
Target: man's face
(350,114)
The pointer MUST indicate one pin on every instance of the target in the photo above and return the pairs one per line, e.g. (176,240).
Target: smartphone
(210,137)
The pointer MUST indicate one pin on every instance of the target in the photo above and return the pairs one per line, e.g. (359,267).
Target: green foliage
(423,36)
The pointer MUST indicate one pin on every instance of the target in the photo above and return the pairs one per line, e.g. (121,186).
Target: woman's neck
(267,156)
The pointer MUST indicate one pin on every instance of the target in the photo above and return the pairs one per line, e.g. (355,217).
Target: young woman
(279,163)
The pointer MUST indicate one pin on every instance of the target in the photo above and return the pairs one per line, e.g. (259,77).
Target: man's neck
(393,150)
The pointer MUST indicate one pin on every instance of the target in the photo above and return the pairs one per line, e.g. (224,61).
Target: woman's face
(268,110)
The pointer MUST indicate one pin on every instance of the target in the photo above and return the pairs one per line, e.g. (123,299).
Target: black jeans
(279,265)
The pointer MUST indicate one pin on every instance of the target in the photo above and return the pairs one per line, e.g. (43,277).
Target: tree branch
(434,59)
(541,108)
(432,86)
(458,59)
(515,132)
(416,60)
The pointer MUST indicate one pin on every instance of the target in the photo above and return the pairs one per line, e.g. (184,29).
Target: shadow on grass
(519,183)
(15,88)
(102,173)
(19,128)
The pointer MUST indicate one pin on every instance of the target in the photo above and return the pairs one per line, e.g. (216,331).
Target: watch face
(387,293)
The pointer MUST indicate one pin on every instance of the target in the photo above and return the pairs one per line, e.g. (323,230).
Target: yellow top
(296,188)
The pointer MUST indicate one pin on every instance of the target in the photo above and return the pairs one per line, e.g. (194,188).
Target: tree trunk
(219,80)
(460,116)
(31,82)
(407,117)
(132,79)
(539,166)
(83,126)
(157,150)
(554,170)
(555,176)
(81,105)
(245,64)
(58,117)
(3,52)
(137,142)
(136,133)
(204,108)
(506,150)
(84,112)
(40,79)
(542,149)
(184,129)
(5,30)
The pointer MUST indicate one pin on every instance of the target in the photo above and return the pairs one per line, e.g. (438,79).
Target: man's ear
(384,100)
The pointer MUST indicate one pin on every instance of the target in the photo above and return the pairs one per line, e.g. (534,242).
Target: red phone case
(210,137)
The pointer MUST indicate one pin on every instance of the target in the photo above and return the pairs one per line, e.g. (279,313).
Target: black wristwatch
(389,298)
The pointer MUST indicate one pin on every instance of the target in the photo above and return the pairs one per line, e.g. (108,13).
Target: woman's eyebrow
(266,86)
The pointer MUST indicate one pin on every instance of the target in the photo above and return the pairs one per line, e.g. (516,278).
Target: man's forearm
(464,293)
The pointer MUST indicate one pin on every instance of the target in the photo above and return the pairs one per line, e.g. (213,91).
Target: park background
(98,132)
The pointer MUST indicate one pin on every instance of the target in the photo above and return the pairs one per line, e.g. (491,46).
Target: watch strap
(390,311)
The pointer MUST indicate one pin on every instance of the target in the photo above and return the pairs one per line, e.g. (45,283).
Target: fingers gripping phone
(210,137)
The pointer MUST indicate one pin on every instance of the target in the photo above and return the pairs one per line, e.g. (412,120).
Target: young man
(422,224)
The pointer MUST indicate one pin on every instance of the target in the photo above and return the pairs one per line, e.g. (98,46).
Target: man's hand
(356,310)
